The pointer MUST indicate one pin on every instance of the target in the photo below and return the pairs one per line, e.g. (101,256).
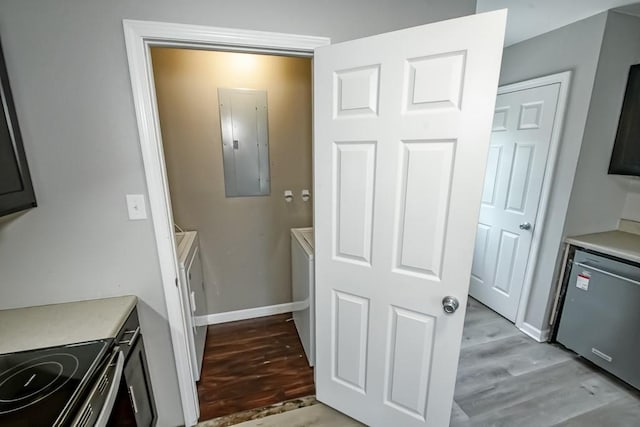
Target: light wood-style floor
(507,379)
(504,378)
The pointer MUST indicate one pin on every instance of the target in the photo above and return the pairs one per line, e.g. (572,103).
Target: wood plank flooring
(250,364)
(504,378)
(507,379)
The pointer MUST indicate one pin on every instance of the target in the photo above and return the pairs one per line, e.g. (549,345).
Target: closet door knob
(450,304)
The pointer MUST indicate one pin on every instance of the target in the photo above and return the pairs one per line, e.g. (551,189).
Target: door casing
(140,36)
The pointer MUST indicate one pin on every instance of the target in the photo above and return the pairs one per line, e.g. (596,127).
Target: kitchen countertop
(43,326)
(616,243)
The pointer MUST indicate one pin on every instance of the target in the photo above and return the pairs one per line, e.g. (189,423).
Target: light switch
(136,206)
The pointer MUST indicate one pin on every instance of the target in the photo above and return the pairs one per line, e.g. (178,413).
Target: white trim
(139,37)
(564,80)
(248,313)
(533,332)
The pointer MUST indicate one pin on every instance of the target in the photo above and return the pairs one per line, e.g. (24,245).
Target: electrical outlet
(136,206)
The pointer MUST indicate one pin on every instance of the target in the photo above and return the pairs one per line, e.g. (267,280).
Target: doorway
(140,37)
(215,108)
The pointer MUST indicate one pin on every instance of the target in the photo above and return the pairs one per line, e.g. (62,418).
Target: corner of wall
(574,47)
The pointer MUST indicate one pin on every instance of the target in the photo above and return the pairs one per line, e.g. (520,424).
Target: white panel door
(402,128)
(521,136)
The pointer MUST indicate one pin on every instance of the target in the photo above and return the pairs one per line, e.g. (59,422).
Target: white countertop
(304,236)
(616,243)
(42,326)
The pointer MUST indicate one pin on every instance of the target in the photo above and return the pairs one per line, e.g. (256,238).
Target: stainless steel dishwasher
(601,314)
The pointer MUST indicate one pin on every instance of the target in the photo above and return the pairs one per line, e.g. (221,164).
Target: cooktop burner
(35,379)
(39,387)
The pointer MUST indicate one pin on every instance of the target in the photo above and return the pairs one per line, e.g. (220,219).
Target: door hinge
(177,283)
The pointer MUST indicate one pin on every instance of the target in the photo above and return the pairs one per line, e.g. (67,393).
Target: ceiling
(529,18)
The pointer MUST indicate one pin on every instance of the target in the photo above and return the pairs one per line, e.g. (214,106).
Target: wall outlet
(136,206)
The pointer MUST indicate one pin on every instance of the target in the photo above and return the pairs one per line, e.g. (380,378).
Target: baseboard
(249,313)
(535,333)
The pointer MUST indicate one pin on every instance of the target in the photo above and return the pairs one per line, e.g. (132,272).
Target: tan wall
(244,241)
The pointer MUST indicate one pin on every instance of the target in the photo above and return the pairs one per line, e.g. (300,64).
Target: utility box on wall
(245,141)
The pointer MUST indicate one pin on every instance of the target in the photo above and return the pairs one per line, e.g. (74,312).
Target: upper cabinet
(16,189)
(625,158)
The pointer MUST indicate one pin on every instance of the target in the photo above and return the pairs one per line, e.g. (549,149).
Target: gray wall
(244,241)
(70,81)
(574,47)
(631,208)
(597,199)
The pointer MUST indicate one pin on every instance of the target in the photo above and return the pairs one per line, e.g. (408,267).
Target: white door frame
(564,79)
(140,36)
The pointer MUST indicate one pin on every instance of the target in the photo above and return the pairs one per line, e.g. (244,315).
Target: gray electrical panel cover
(245,141)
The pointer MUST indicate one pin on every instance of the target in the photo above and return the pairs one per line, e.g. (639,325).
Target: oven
(48,386)
(77,385)
(104,382)
(96,408)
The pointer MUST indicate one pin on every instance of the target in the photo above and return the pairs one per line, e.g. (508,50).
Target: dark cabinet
(135,405)
(625,157)
(16,189)
(136,378)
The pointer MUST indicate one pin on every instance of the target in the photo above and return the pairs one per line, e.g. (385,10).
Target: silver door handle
(131,340)
(132,396)
(450,304)
(525,226)
(193,301)
(607,273)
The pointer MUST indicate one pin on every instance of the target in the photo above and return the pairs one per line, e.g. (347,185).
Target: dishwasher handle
(608,273)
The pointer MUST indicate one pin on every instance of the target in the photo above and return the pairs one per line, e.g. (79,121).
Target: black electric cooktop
(42,387)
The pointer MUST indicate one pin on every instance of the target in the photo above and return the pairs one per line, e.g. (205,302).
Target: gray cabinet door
(136,375)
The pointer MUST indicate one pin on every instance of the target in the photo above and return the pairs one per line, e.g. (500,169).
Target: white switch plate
(136,206)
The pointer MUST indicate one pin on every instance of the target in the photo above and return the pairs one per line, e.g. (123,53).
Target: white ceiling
(529,18)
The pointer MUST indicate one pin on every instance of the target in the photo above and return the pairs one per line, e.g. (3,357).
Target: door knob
(450,304)
(525,226)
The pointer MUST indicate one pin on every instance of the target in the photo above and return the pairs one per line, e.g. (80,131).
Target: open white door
(402,127)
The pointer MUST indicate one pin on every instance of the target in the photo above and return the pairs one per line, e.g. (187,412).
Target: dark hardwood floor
(250,364)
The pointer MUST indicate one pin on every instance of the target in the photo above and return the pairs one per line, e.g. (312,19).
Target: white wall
(70,81)
(597,199)
(574,47)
